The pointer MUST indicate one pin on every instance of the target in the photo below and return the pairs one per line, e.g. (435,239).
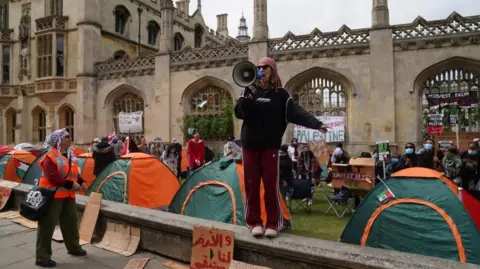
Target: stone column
(382,75)
(21,129)
(260,26)
(50,119)
(89,36)
(166,26)
(161,107)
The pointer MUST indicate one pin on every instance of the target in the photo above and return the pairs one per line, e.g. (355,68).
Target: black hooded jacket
(266,116)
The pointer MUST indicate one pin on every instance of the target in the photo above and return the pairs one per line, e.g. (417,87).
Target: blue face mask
(472,152)
(428,146)
(409,151)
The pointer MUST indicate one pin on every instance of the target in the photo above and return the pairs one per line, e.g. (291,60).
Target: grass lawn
(316,224)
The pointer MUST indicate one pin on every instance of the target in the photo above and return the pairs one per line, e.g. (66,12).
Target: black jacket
(266,116)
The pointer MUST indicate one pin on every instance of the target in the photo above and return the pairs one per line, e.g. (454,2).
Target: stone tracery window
(177,42)
(216,98)
(11,123)
(153,29)
(128,102)
(122,15)
(321,97)
(39,118)
(67,119)
(198,36)
(449,81)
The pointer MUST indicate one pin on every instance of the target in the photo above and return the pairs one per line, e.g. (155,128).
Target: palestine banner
(461,99)
(21,168)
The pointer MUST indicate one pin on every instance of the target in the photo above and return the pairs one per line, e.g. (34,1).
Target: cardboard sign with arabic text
(212,248)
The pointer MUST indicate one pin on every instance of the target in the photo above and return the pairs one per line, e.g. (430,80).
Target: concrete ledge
(170,235)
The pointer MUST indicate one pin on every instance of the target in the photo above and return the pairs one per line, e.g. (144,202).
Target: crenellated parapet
(317,44)
(209,56)
(455,30)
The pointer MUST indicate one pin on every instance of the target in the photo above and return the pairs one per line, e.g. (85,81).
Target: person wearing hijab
(62,173)
(409,159)
(452,163)
(103,154)
(266,108)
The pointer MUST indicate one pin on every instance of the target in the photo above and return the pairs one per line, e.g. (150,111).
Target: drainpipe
(139,30)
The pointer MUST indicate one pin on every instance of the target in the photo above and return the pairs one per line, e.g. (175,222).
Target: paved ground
(17,251)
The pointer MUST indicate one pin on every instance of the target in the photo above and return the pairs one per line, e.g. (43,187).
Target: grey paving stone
(12,229)
(23,264)
(17,239)
(13,255)
(84,264)
(4,222)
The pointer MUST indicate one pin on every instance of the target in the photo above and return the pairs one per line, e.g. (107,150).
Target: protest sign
(130,122)
(212,248)
(336,131)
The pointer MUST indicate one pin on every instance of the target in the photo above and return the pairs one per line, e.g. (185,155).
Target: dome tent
(217,192)
(137,179)
(14,164)
(424,217)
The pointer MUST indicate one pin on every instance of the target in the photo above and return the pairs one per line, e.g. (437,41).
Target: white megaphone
(246,73)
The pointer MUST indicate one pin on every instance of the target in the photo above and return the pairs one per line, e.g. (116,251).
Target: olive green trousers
(64,212)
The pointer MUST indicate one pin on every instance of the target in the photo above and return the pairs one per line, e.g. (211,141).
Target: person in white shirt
(293,153)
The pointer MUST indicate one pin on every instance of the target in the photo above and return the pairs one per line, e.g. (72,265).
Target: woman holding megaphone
(266,108)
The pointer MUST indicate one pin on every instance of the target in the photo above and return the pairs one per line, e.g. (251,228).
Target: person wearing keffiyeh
(59,171)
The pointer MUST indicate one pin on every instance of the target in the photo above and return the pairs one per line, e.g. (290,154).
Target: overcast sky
(302,16)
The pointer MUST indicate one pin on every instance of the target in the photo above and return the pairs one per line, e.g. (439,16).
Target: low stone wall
(170,235)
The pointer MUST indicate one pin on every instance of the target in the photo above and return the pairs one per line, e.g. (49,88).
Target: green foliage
(211,127)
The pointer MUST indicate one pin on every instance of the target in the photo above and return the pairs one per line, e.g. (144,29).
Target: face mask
(472,152)
(158,141)
(395,160)
(409,151)
(428,146)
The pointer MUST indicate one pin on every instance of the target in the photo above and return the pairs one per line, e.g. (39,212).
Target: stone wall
(171,236)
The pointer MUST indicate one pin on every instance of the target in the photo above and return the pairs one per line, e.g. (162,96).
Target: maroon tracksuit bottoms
(263,165)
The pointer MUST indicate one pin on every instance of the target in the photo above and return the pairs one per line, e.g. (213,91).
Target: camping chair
(343,197)
(301,192)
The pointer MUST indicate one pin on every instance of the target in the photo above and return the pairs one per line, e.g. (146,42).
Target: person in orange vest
(60,172)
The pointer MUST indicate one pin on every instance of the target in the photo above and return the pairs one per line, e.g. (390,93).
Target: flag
(385,196)
(126,148)
(112,135)
(203,103)
(21,168)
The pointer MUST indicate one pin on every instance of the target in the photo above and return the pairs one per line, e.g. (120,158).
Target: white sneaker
(271,233)
(257,231)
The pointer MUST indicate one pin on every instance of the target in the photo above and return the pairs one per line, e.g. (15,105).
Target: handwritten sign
(130,122)
(351,176)
(5,191)
(336,131)
(212,248)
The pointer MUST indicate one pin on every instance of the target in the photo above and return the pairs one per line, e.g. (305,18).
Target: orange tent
(183,165)
(14,164)
(86,164)
(77,152)
(137,179)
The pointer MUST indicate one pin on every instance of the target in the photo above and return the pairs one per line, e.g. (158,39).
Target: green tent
(215,192)
(34,172)
(424,216)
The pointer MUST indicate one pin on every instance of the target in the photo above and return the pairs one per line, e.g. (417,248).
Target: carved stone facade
(375,77)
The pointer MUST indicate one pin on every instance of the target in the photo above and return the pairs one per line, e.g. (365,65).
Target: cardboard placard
(136,263)
(58,237)
(320,150)
(26,222)
(5,191)
(90,216)
(212,248)
(120,239)
(359,174)
(242,265)
(9,215)
(174,265)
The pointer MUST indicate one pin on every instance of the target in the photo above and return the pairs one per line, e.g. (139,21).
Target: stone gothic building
(78,67)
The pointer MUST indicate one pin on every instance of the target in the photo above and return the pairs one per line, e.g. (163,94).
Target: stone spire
(199,5)
(260,25)
(380,14)
(243,30)
(166,25)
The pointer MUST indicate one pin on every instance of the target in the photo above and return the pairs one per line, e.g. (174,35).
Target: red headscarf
(273,65)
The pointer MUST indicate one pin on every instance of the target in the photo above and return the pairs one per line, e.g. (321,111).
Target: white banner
(130,122)
(336,131)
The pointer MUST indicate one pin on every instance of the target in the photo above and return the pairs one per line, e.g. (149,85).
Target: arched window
(153,28)
(39,118)
(210,100)
(198,36)
(67,119)
(121,19)
(177,42)
(119,54)
(453,80)
(11,123)
(128,103)
(321,97)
